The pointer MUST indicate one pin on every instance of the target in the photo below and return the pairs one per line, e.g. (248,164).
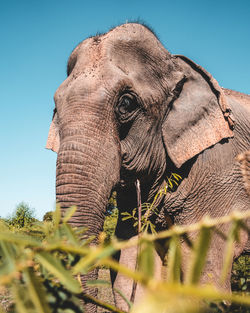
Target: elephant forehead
(130,54)
(86,60)
(84,46)
(127,45)
(133,32)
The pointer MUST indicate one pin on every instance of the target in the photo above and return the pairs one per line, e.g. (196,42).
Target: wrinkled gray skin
(130,110)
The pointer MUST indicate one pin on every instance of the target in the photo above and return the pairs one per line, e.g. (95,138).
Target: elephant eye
(127,104)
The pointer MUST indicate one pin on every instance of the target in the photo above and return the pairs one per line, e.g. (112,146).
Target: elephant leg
(127,257)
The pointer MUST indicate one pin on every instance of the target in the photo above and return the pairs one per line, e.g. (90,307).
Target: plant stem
(138,191)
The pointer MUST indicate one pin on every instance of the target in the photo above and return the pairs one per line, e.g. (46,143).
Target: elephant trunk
(78,184)
(87,169)
(75,186)
(88,165)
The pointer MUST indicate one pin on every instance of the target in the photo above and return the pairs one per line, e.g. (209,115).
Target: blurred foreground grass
(39,263)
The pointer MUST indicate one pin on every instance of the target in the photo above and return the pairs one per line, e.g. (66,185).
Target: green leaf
(199,253)
(57,216)
(8,257)
(174,260)
(160,301)
(170,184)
(126,213)
(152,227)
(127,218)
(36,292)
(176,183)
(55,267)
(19,239)
(19,296)
(70,234)
(104,283)
(229,249)
(146,258)
(177,176)
(98,282)
(95,254)
(69,213)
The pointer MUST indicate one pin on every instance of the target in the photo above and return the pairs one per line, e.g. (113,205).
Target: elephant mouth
(127,178)
(125,183)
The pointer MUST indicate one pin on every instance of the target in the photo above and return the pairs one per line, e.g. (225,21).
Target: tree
(22,217)
(48,216)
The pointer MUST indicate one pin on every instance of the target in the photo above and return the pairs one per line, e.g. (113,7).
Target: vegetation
(110,225)
(23,216)
(111,218)
(41,272)
(48,217)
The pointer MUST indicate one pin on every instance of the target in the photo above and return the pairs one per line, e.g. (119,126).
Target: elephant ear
(198,117)
(53,141)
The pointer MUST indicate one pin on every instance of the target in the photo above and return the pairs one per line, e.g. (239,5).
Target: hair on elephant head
(130,110)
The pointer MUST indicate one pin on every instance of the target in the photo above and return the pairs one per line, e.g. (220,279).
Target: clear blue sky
(36,40)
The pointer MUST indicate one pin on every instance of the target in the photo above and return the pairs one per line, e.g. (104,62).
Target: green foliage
(111,218)
(38,272)
(48,216)
(141,215)
(110,225)
(22,217)
(112,204)
(241,274)
(42,273)
(199,253)
(174,260)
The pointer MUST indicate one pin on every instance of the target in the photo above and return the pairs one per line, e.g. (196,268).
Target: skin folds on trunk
(85,179)
(77,184)
(88,166)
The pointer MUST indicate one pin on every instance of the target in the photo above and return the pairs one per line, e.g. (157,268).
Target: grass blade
(57,216)
(104,283)
(18,239)
(146,259)
(54,266)
(19,296)
(95,254)
(70,234)
(36,292)
(69,213)
(199,255)
(229,249)
(174,260)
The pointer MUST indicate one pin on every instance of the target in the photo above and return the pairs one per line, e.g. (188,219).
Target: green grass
(39,264)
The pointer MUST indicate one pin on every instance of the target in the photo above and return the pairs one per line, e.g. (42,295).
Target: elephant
(130,110)
(244,159)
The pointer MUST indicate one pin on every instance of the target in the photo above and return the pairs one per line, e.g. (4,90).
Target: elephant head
(126,106)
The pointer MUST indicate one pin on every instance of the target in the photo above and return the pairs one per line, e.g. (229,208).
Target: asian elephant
(130,110)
